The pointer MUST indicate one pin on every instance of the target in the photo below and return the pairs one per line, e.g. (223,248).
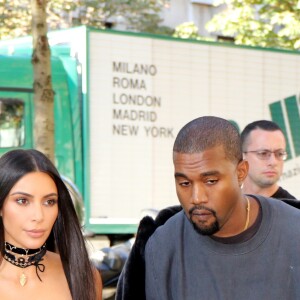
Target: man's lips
(201,214)
(270,173)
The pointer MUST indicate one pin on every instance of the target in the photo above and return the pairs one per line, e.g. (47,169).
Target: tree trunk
(42,85)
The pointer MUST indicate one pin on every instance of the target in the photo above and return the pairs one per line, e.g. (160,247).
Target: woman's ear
(242,171)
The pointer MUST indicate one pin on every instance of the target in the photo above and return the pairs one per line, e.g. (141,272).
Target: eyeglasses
(266,154)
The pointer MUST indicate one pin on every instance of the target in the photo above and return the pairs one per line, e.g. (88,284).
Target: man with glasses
(264,146)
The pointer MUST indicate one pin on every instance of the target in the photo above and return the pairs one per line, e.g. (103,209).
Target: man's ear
(242,171)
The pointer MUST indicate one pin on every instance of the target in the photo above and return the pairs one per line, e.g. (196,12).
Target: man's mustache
(201,207)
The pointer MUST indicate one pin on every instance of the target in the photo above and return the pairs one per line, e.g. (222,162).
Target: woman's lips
(35,233)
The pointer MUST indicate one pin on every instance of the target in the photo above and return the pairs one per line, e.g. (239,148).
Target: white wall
(180,11)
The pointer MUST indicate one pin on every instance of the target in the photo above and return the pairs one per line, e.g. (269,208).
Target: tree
(189,30)
(138,15)
(43,92)
(266,23)
(15,18)
(15,21)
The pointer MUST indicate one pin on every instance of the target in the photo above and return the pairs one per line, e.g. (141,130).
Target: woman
(43,253)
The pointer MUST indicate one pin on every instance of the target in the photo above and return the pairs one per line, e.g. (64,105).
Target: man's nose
(199,195)
(272,158)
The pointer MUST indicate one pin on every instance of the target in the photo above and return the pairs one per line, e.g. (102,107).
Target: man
(222,245)
(264,147)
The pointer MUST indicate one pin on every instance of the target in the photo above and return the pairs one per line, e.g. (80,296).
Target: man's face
(264,173)
(208,188)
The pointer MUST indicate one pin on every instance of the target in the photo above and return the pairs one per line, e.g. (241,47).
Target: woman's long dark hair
(66,237)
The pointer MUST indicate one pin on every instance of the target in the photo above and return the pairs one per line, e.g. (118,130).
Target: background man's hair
(260,124)
(207,132)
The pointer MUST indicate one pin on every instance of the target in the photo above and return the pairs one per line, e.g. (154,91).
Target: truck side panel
(142,90)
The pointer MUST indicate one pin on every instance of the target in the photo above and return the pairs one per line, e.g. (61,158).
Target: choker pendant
(29,257)
(23,279)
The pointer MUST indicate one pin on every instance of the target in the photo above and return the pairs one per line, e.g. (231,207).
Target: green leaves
(189,30)
(15,19)
(267,23)
(137,15)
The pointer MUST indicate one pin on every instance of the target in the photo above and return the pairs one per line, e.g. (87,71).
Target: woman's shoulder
(57,272)
(98,284)
(54,276)
(53,259)
(53,265)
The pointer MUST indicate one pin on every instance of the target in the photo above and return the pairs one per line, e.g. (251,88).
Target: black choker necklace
(27,258)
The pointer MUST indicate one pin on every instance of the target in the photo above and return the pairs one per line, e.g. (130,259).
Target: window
(11,122)
(206,2)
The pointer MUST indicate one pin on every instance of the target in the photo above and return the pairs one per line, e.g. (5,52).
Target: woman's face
(30,210)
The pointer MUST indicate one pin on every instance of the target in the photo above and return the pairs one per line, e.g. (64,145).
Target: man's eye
(184,183)
(263,153)
(211,181)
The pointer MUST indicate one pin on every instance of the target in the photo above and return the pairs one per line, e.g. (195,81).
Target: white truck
(138,90)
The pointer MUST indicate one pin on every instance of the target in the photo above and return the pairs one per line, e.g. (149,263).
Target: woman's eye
(50,202)
(22,201)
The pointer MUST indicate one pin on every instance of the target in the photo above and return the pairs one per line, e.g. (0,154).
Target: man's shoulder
(289,206)
(292,202)
(176,219)
(170,229)
(148,225)
(165,214)
(282,194)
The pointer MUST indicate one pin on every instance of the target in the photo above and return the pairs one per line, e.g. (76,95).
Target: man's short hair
(260,124)
(207,132)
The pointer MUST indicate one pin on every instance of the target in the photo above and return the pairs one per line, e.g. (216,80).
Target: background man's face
(264,173)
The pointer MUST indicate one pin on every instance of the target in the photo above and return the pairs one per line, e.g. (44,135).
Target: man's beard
(205,229)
